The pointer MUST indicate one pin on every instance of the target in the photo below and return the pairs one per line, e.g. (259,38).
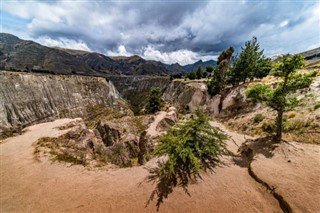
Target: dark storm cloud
(165,27)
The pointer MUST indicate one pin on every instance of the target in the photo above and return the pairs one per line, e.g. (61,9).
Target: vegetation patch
(154,101)
(190,148)
(258,118)
(100,112)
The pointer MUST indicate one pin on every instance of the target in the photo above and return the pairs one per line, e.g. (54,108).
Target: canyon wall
(184,95)
(29,98)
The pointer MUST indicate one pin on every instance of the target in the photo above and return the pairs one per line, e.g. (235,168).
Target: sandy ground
(31,186)
(294,172)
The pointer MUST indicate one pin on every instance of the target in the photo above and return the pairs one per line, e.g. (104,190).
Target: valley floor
(31,186)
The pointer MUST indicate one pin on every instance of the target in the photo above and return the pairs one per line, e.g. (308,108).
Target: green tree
(217,82)
(191,147)
(209,69)
(154,100)
(199,72)
(279,98)
(192,75)
(251,63)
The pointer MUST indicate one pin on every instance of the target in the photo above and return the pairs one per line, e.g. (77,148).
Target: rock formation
(29,98)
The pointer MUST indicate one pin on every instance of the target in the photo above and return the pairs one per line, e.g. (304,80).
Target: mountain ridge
(28,56)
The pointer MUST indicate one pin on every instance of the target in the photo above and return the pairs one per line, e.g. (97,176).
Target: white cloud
(122,51)
(169,31)
(182,57)
(284,23)
(294,39)
(64,43)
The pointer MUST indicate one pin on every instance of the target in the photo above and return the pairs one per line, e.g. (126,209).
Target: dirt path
(30,186)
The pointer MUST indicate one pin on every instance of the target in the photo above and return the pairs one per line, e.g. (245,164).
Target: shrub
(268,127)
(258,118)
(296,125)
(190,147)
(192,75)
(245,127)
(154,101)
(291,114)
(199,72)
(119,155)
(68,158)
(317,106)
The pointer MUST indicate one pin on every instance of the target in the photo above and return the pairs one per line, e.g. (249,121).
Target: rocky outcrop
(184,95)
(109,132)
(169,119)
(135,89)
(127,132)
(29,98)
(162,122)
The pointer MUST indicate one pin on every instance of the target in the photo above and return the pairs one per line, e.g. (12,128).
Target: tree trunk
(279,126)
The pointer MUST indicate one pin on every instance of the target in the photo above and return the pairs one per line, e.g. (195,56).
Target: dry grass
(297,126)
(101,112)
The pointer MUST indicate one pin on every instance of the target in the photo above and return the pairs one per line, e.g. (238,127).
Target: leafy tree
(250,64)
(199,72)
(217,82)
(190,147)
(279,98)
(154,100)
(209,69)
(205,75)
(192,75)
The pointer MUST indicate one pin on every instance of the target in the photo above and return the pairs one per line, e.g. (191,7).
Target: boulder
(131,142)
(170,118)
(109,133)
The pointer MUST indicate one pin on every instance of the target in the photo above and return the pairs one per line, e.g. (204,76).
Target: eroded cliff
(29,98)
(184,95)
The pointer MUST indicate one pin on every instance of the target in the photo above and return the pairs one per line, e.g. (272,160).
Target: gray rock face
(29,98)
(109,133)
(182,95)
(136,88)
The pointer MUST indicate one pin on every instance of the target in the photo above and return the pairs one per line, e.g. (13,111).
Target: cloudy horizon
(167,31)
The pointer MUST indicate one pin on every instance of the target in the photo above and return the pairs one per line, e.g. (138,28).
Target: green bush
(245,127)
(192,75)
(68,158)
(268,127)
(317,106)
(154,100)
(191,147)
(258,118)
(199,72)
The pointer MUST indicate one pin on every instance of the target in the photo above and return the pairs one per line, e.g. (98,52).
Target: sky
(182,31)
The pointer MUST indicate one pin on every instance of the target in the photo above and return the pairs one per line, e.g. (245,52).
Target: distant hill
(311,54)
(175,68)
(312,58)
(204,64)
(135,65)
(21,55)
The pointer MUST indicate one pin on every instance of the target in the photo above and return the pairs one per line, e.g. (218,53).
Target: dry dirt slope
(30,186)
